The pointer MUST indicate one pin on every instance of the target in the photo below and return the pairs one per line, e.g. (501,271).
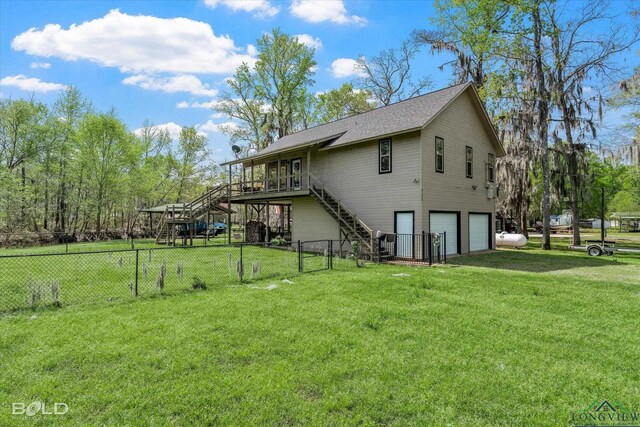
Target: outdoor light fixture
(474,186)
(416,180)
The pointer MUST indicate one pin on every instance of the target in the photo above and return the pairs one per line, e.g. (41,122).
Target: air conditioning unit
(490,191)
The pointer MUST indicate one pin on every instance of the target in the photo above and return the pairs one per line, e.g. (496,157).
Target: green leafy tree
(106,152)
(343,102)
(191,153)
(267,99)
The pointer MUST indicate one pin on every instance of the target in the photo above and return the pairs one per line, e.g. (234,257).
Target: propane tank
(511,240)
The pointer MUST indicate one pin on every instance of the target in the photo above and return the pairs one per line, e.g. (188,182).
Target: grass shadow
(527,260)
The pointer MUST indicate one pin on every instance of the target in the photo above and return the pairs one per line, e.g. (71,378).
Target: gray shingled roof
(411,114)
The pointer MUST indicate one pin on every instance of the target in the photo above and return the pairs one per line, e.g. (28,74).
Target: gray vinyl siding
(311,222)
(460,125)
(351,173)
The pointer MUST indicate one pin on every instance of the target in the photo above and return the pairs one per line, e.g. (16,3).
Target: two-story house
(426,164)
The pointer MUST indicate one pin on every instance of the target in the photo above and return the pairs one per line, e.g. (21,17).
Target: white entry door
(404,234)
(478,232)
(446,222)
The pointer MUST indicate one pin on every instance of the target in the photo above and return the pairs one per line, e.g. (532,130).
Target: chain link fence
(69,278)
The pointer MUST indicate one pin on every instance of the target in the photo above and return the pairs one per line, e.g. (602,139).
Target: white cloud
(40,65)
(345,67)
(211,127)
(309,41)
(260,8)
(183,83)
(316,11)
(206,105)
(173,129)
(30,84)
(140,44)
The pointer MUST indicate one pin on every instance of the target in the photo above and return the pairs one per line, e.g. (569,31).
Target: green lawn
(508,338)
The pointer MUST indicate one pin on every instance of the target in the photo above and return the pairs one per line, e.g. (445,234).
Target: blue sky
(166,61)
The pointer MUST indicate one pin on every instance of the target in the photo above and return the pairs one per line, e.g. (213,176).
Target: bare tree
(388,76)
(542,96)
(580,54)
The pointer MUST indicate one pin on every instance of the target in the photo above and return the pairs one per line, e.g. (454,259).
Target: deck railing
(289,182)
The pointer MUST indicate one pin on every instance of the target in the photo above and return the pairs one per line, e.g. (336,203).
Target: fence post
(241,264)
(330,254)
(379,250)
(137,256)
(299,256)
(66,243)
(132,244)
(444,233)
(430,249)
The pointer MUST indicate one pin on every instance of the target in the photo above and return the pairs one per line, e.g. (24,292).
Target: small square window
(469,162)
(439,154)
(384,156)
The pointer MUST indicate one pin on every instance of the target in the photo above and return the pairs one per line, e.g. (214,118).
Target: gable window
(469,162)
(491,166)
(384,156)
(439,154)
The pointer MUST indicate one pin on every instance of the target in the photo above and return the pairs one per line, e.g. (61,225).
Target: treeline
(546,70)
(70,169)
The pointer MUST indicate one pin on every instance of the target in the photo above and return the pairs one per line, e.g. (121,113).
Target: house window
(469,162)
(384,152)
(439,154)
(491,166)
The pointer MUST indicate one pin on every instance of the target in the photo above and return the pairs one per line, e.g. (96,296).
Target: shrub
(278,241)
(198,283)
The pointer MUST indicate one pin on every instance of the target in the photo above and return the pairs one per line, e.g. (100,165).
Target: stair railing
(322,194)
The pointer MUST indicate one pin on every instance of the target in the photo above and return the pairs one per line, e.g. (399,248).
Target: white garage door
(448,222)
(478,232)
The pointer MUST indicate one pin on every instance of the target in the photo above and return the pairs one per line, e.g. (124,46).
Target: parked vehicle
(217,228)
(201,228)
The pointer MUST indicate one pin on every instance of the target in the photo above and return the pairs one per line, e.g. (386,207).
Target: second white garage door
(448,222)
(478,232)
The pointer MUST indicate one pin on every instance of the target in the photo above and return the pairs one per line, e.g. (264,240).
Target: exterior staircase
(189,213)
(351,227)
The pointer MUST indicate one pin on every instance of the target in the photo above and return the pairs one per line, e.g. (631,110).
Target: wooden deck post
(246,214)
(278,174)
(267,235)
(252,167)
(281,208)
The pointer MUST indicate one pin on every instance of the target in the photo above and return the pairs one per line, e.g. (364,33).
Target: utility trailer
(603,247)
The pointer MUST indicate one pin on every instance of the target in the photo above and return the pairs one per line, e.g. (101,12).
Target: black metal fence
(425,248)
